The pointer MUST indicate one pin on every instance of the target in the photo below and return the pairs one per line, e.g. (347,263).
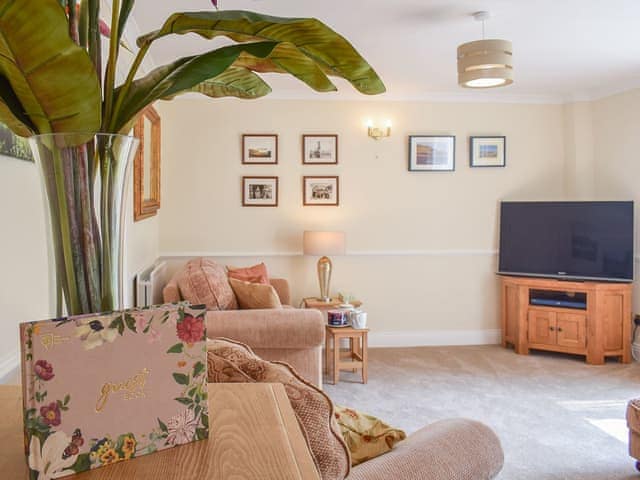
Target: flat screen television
(569,240)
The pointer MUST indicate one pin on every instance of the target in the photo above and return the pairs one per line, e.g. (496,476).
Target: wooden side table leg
(353,348)
(327,343)
(365,357)
(336,359)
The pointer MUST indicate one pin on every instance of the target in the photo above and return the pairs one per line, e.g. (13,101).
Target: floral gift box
(99,389)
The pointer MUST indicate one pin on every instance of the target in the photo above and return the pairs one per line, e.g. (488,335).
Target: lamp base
(324,278)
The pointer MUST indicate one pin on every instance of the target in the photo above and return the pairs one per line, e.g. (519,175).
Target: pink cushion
(255,274)
(203,281)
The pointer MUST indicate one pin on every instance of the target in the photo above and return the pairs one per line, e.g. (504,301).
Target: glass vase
(84,181)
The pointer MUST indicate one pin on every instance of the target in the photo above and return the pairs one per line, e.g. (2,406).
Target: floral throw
(100,389)
(366,436)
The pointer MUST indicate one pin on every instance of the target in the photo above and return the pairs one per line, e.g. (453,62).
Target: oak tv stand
(599,329)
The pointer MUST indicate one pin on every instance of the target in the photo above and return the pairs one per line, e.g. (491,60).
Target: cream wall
(24,292)
(420,246)
(616,127)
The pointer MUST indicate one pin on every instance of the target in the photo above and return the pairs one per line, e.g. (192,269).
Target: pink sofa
(290,335)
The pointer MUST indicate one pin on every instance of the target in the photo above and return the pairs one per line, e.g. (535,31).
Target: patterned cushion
(255,295)
(203,281)
(367,437)
(256,274)
(230,361)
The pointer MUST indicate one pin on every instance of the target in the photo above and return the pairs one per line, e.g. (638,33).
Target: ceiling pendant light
(485,63)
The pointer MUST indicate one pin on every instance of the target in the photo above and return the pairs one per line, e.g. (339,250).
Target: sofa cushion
(255,274)
(203,281)
(366,436)
(230,361)
(254,295)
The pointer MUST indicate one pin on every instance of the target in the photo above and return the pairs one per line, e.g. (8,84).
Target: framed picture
(488,151)
(432,153)
(146,165)
(321,191)
(259,191)
(260,149)
(319,149)
(13,146)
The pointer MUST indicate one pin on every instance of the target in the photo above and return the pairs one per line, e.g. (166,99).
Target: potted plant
(55,89)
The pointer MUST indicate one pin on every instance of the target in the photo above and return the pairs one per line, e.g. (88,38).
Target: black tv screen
(572,240)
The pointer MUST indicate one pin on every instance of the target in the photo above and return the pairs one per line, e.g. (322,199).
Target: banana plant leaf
(233,82)
(332,52)
(186,73)
(51,78)
(11,111)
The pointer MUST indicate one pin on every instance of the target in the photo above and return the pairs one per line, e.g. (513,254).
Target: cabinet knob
(551,328)
(559,329)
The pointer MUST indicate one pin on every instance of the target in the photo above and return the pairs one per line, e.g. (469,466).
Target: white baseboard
(9,364)
(423,338)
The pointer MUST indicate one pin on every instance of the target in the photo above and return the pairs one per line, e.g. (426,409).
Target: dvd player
(559,303)
(554,298)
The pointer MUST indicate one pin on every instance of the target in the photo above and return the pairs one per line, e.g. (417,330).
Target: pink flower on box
(50,414)
(191,329)
(43,370)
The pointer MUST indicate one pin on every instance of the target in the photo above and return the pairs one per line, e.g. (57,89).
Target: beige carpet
(557,417)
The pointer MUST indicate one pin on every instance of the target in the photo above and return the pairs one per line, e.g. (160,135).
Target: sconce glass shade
(485,64)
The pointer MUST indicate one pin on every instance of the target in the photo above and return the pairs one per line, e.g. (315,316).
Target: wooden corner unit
(602,329)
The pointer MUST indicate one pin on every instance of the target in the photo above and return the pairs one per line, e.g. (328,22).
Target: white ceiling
(563,49)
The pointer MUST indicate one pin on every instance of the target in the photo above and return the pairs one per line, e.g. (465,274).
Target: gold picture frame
(146,167)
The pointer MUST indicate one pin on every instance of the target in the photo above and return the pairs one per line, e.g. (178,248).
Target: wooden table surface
(317,303)
(254,436)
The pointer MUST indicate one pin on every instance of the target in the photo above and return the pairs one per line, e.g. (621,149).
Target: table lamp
(324,243)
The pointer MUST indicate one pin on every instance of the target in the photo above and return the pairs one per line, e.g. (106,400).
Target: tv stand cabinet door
(571,330)
(542,327)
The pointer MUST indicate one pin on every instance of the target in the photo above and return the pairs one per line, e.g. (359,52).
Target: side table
(319,304)
(357,355)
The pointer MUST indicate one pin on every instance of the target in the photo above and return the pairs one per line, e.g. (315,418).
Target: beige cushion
(230,361)
(254,295)
(366,436)
(203,281)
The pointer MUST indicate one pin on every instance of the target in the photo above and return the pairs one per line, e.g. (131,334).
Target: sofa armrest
(269,328)
(455,449)
(171,292)
(281,287)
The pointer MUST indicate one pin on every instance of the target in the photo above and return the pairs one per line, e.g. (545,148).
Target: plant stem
(110,74)
(90,245)
(106,167)
(95,45)
(46,164)
(73,21)
(73,305)
(126,86)
(73,202)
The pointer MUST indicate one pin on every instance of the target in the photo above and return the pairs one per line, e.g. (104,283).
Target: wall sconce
(378,132)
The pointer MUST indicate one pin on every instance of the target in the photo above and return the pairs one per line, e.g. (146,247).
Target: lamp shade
(323,243)
(485,64)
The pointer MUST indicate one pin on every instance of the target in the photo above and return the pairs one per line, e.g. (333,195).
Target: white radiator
(149,285)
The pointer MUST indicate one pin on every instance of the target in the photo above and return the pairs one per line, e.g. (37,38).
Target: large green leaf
(186,73)
(332,52)
(12,112)
(233,82)
(53,79)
